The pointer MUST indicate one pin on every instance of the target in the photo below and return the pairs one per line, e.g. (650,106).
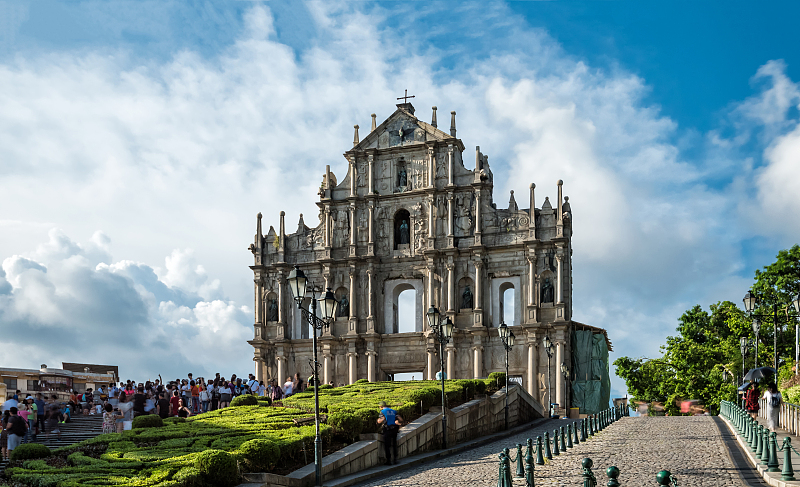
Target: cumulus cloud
(57,305)
(183,154)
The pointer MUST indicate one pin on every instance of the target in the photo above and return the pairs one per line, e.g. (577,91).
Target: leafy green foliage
(148,421)
(245,400)
(30,451)
(346,425)
(217,467)
(259,454)
(708,343)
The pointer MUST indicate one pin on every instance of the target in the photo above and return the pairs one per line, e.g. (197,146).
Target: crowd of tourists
(25,417)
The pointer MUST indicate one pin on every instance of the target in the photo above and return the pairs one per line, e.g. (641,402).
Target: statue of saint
(402,178)
(404,236)
(344,307)
(466,299)
(547,291)
(272,310)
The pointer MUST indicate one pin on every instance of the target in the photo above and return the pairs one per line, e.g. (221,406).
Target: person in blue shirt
(391,422)
(40,407)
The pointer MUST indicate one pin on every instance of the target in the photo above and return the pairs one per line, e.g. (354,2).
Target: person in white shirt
(287,387)
(774,400)
(252,384)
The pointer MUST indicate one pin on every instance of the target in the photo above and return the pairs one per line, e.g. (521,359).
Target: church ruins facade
(416,213)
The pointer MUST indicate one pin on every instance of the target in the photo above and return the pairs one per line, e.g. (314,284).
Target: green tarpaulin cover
(591,388)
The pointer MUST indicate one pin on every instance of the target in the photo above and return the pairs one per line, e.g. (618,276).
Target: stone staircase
(79,428)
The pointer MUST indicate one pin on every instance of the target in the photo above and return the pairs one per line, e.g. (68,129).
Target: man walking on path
(391,422)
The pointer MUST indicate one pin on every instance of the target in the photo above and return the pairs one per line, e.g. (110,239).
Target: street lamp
(298,284)
(750,303)
(507,337)
(443,332)
(756,329)
(796,303)
(548,348)
(744,345)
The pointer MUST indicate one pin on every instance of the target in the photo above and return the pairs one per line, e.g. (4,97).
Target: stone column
(559,290)
(450,157)
(281,311)
(352,292)
(450,215)
(371,160)
(478,211)
(477,362)
(281,369)
(431,217)
(259,368)
(451,362)
(369,292)
(327,360)
(352,367)
(352,177)
(450,288)
(533,370)
(353,226)
(431,167)
(559,376)
(371,365)
(431,364)
(430,287)
(259,301)
(478,284)
(531,285)
(327,230)
(371,218)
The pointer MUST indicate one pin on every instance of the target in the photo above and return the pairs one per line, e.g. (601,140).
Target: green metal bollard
(583,430)
(588,476)
(500,482)
(612,473)
(788,472)
(765,447)
(589,431)
(507,469)
(753,435)
(575,434)
(555,443)
(665,478)
(520,466)
(569,435)
(772,464)
(539,454)
(759,441)
(562,436)
(548,454)
(529,444)
(529,468)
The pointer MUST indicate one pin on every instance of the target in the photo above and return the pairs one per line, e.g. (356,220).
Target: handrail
(788,415)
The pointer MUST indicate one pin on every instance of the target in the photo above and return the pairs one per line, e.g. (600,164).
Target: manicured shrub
(174,419)
(346,426)
(480,387)
(76,459)
(362,381)
(259,454)
(30,451)
(498,378)
(36,465)
(246,400)
(148,421)
(188,477)
(217,468)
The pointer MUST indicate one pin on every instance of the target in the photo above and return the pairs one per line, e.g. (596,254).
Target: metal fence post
(772,464)
(569,435)
(788,472)
(529,468)
(520,466)
(555,443)
(759,441)
(548,454)
(539,454)
(562,436)
(575,433)
(765,447)
(588,476)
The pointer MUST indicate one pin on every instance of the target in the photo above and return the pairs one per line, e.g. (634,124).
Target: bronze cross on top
(405,98)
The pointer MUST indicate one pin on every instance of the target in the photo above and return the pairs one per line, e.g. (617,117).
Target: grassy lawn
(212,448)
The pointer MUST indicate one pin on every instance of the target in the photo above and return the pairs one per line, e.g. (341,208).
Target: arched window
(508,297)
(406,311)
(402,229)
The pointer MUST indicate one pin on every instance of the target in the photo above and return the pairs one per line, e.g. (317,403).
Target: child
(109,421)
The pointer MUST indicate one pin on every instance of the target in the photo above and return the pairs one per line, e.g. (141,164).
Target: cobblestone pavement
(689,447)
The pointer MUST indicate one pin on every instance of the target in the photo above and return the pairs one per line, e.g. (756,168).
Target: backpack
(775,400)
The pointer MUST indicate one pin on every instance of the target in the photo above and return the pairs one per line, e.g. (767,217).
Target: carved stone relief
(463,215)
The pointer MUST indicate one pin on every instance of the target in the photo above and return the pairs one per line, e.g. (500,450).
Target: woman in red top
(195,397)
(751,400)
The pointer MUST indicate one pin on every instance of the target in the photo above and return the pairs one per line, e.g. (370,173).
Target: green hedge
(217,467)
(259,454)
(30,451)
(148,421)
(245,400)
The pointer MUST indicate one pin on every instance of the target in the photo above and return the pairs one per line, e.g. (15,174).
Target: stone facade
(410,215)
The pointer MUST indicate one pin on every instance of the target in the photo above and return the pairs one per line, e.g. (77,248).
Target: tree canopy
(707,345)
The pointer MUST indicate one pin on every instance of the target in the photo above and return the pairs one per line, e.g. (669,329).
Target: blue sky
(139,139)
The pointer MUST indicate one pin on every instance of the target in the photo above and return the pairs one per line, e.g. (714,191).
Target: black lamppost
(756,330)
(750,303)
(443,333)
(744,346)
(548,348)
(507,337)
(298,284)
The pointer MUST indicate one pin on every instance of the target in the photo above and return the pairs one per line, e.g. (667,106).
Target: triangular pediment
(401,129)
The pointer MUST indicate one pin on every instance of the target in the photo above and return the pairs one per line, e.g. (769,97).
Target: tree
(707,344)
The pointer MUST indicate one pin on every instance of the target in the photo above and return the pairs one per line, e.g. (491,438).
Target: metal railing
(788,415)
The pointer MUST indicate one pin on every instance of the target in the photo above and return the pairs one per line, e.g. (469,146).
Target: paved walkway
(693,448)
